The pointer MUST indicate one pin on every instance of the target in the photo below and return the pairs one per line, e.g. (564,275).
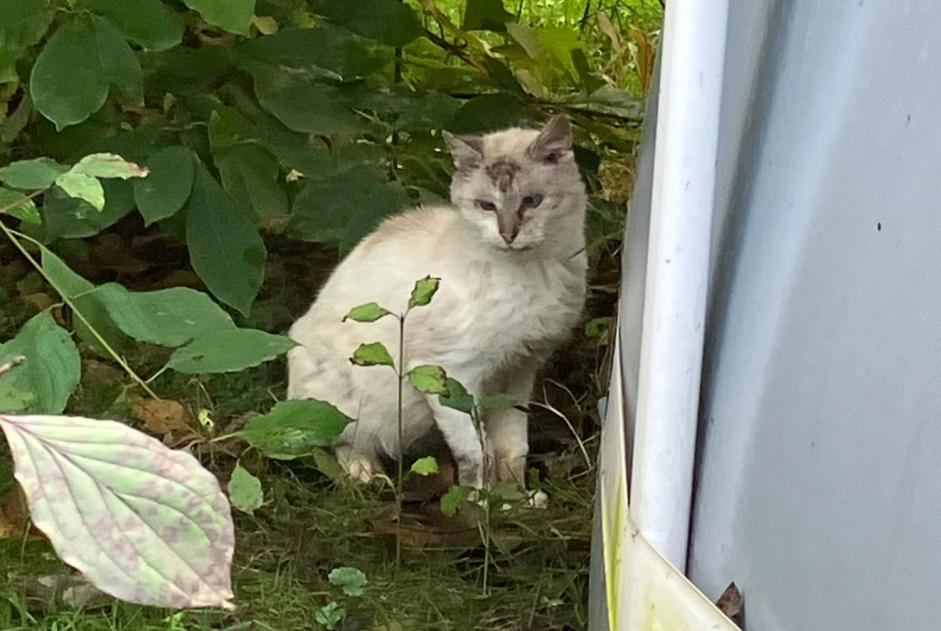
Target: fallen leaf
(162,416)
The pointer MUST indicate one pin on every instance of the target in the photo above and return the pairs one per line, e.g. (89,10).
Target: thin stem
(25,198)
(68,301)
(400,484)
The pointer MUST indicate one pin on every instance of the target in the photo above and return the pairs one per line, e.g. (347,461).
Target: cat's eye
(483,203)
(531,201)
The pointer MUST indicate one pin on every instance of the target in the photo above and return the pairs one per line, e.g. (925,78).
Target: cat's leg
(463,441)
(507,433)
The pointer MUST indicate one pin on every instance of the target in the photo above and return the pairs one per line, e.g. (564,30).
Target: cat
(510,256)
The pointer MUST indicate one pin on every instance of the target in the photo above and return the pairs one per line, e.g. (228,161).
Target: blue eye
(483,203)
(532,201)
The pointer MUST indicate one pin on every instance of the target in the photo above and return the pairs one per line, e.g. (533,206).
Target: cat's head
(518,187)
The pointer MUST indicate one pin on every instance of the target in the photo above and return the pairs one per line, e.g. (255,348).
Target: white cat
(510,256)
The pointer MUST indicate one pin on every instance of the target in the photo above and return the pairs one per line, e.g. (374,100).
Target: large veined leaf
(344,208)
(72,75)
(142,522)
(229,351)
(328,51)
(305,106)
(389,21)
(48,375)
(149,23)
(169,317)
(293,428)
(225,248)
(165,191)
(234,16)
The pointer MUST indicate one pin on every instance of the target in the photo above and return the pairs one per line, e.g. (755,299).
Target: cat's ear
(552,142)
(467,151)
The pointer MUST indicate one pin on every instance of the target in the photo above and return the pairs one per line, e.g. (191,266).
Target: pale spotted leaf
(142,522)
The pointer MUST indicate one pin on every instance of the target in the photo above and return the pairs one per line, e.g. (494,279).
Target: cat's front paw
(359,466)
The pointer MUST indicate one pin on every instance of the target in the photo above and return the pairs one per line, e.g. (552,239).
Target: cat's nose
(509,236)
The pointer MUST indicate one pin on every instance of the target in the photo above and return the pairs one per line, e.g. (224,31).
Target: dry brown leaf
(14,514)
(162,416)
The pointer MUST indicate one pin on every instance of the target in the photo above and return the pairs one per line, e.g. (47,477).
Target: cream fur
(499,313)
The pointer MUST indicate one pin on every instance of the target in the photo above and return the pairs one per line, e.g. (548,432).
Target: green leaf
(349,579)
(84,187)
(293,428)
(344,208)
(72,75)
(108,165)
(24,23)
(389,21)
(245,491)
(234,16)
(118,63)
(148,23)
(425,466)
(69,217)
(304,106)
(457,397)
(18,206)
(228,351)
(454,498)
(51,372)
(111,500)
(369,312)
(547,46)
(486,15)
(78,290)
(429,379)
(498,402)
(432,111)
(164,192)
(331,52)
(424,290)
(490,112)
(372,354)
(34,174)
(330,615)
(168,317)
(225,248)
(252,174)
(598,327)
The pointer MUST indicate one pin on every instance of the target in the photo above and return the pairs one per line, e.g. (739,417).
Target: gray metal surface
(819,476)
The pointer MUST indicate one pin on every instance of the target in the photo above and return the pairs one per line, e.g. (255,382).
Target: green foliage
(245,491)
(457,397)
(424,291)
(351,580)
(228,351)
(454,499)
(372,354)
(48,372)
(428,379)
(369,312)
(293,428)
(424,466)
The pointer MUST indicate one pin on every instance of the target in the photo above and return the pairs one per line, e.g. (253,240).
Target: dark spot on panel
(879,227)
